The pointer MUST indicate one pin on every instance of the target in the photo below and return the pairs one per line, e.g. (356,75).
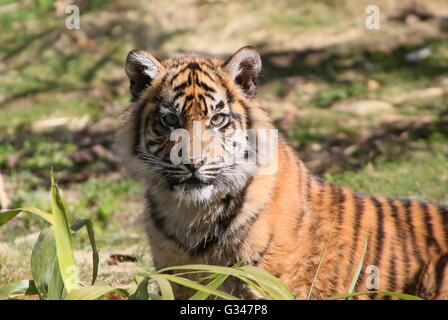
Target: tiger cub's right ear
(141,68)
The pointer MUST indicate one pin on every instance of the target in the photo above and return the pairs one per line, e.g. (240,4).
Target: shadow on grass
(387,142)
(327,64)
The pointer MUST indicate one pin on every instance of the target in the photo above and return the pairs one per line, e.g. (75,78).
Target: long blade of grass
(193,285)
(255,287)
(23,287)
(235,271)
(64,248)
(321,260)
(78,224)
(6,216)
(401,296)
(165,288)
(88,293)
(350,295)
(358,269)
(274,286)
(214,284)
(398,295)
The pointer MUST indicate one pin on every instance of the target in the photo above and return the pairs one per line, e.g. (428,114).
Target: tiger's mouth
(192,182)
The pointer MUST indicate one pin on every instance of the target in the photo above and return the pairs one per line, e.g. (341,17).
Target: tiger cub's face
(187,129)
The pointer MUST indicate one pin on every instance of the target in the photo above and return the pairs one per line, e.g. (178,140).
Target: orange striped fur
(280,222)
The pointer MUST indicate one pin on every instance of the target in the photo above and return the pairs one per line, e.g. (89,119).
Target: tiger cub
(207,207)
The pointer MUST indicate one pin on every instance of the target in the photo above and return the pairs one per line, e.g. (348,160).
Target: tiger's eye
(170,120)
(218,120)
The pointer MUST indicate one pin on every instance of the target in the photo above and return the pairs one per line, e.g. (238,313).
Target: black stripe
(219,106)
(203,71)
(379,234)
(393,273)
(341,207)
(208,95)
(229,97)
(179,73)
(308,188)
(407,206)
(443,211)
(379,231)
(441,277)
(159,221)
(339,203)
(249,120)
(430,239)
(302,209)
(180,86)
(359,212)
(204,102)
(314,225)
(193,65)
(401,235)
(178,95)
(320,199)
(204,86)
(138,126)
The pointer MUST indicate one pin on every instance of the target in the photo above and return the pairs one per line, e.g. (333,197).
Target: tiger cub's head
(187,127)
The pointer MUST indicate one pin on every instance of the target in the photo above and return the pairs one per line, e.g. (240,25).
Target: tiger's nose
(194,165)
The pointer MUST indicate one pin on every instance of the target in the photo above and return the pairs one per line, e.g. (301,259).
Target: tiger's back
(310,233)
(402,244)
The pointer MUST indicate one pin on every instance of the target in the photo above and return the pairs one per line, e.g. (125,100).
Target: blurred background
(365,108)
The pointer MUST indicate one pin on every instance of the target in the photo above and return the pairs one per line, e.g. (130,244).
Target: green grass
(425,178)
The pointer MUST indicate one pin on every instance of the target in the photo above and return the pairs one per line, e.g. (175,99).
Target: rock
(418,55)
(427,93)
(363,107)
(372,85)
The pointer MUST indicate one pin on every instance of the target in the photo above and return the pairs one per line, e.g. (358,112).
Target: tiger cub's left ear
(141,68)
(244,67)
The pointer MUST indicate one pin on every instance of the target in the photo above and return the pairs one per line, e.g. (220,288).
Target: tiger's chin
(195,193)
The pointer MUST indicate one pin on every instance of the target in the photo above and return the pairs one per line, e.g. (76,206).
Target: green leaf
(398,295)
(64,249)
(88,293)
(6,216)
(165,288)
(401,296)
(141,293)
(78,224)
(193,285)
(280,288)
(56,285)
(274,286)
(350,295)
(22,287)
(214,284)
(45,267)
(358,269)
